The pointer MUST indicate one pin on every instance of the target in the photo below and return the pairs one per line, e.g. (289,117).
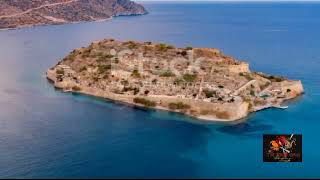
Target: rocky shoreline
(215,87)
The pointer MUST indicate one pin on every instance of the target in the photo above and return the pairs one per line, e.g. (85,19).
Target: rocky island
(22,13)
(199,82)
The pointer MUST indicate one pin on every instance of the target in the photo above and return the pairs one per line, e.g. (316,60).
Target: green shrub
(116,60)
(178,81)
(108,56)
(154,81)
(209,93)
(103,68)
(83,68)
(144,102)
(184,53)
(188,48)
(86,53)
(179,106)
(95,78)
(167,74)
(103,57)
(132,46)
(189,77)
(273,78)
(252,93)
(248,76)
(288,90)
(263,86)
(135,73)
(125,82)
(60,71)
(278,79)
(134,89)
(71,57)
(99,54)
(164,47)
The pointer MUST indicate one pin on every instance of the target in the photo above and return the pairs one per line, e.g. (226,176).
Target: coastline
(201,118)
(68,22)
(114,98)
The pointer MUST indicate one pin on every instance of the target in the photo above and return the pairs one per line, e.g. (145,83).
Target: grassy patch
(188,48)
(103,57)
(178,81)
(248,76)
(131,44)
(83,68)
(276,78)
(103,68)
(179,106)
(60,71)
(252,93)
(189,77)
(86,53)
(71,57)
(164,47)
(167,73)
(135,73)
(272,78)
(144,102)
(209,93)
(134,89)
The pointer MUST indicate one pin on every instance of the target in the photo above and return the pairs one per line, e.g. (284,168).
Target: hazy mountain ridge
(22,13)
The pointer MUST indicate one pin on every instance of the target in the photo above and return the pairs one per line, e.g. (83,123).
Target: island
(24,13)
(199,82)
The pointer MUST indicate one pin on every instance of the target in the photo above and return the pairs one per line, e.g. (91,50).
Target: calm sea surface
(46,133)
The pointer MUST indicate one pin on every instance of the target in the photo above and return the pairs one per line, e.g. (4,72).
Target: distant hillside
(20,13)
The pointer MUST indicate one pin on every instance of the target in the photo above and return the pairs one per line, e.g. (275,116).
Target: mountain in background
(21,13)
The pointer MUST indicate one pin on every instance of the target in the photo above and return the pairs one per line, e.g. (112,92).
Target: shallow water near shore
(47,133)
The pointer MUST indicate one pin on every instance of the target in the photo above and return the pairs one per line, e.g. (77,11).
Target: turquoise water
(46,133)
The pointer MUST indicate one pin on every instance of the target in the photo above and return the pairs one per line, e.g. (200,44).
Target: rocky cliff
(23,13)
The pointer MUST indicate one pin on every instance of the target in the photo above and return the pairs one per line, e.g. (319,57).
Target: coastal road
(32,9)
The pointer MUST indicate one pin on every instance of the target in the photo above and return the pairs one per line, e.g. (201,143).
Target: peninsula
(199,82)
(23,13)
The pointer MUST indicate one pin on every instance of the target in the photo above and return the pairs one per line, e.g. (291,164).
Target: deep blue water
(46,133)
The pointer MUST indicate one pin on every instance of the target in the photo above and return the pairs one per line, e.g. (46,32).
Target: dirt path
(30,10)
(244,86)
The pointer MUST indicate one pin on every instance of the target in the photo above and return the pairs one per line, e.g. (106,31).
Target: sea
(47,133)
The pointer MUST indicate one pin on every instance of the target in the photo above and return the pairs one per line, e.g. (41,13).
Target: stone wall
(292,88)
(239,68)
